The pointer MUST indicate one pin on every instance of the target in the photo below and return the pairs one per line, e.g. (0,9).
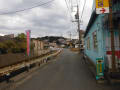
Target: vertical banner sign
(102,6)
(99,68)
(28,32)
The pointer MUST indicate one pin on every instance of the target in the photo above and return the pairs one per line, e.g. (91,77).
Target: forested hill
(51,38)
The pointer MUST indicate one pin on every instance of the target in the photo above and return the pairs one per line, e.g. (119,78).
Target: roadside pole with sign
(102,6)
(99,68)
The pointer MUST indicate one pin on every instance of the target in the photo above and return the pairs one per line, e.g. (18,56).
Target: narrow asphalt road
(67,72)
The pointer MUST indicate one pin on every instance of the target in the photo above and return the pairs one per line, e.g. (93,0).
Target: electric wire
(70,12)
(28,8)
(82,11)
(77,2)
(68,9)
(5,9)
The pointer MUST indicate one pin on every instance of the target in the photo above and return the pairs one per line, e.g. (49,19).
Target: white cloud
(51,19)
(1,34)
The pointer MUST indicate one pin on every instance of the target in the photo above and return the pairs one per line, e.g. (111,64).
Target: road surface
(67,72)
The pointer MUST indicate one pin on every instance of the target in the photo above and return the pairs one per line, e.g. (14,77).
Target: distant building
(62,41)
(3,38)
(6,37)
(38,45)
(53,45)
(82,39)
(9,36)
(46,44)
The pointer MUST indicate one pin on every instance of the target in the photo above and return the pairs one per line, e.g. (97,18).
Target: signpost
(102,6)
(99,68)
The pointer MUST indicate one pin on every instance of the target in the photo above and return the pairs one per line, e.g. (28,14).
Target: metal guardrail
(9,69)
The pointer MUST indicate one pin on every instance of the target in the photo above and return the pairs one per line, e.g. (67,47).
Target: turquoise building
(98,37)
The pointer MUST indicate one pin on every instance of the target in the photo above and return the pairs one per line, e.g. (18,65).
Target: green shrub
(3,48)
(16,50)
(10,44)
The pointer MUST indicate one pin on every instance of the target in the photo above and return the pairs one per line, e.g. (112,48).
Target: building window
(95,42)
(88,43)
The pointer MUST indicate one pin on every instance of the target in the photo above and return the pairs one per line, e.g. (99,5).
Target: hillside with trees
(16,45)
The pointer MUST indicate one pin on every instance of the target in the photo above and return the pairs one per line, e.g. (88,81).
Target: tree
(9,45)
(21,43)
(3,48)
(21,37)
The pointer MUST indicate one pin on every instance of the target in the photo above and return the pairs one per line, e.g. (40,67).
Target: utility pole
(78,21)
(77,17)
(119,34)
(119,44)
(70,36)
(112,37)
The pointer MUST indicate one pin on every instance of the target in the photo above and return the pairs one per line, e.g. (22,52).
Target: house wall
(104,38)
(96,27)
(104,41)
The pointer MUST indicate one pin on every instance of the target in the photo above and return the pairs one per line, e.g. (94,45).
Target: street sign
(102,6)
(99,68)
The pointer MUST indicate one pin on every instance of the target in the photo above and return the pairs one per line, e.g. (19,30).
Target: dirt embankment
(9,59)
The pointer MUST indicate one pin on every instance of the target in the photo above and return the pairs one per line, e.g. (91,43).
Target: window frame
(95,41)
(88,43)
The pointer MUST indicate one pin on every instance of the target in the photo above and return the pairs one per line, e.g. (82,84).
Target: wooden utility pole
(119,34)
(112,38)
(78,25)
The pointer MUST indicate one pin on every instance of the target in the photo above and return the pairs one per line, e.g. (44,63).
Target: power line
(83,10)
(69,11)
(77,2)
(68,8)
(28,8)
(5,9)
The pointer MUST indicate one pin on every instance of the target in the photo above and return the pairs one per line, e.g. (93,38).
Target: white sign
(102,6)
(102,10)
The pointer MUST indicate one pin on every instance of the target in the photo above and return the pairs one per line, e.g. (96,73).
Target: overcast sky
(50,20)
